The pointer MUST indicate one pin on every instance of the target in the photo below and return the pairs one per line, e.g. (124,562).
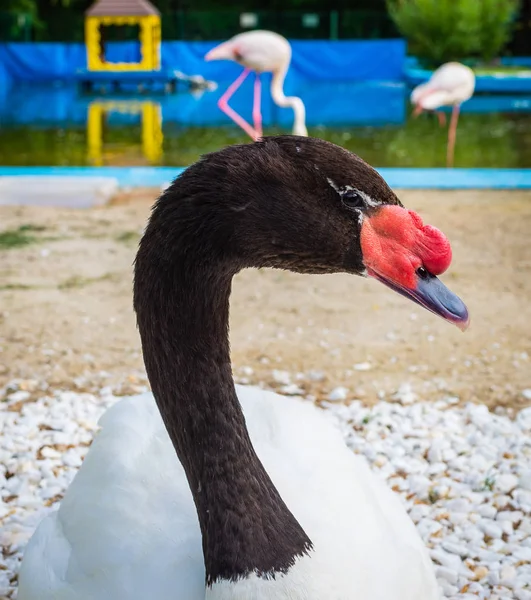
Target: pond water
(56,125)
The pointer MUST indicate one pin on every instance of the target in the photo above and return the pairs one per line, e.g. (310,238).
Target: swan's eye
(422,273)
(352,199)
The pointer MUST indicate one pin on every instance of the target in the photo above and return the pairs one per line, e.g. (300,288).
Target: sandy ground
(66,316)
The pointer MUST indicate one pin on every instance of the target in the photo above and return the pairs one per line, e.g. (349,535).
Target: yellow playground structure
(123,12)
(136,75)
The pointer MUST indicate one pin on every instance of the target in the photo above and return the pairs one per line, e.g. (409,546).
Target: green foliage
(28,7)
(443,30)
(497,21)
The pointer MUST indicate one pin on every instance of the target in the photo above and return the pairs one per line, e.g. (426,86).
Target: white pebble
(525,480)
(507,576)
(364,366)
(449,575)
(338,394)
(291,390)
(18,396)
(316,375)
(458,549)
(281,376)
(490,528)
(506,483)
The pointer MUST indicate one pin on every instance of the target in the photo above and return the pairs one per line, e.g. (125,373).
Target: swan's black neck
(182,303)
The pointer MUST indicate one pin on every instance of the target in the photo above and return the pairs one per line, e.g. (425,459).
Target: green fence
(203,25)
(215,25)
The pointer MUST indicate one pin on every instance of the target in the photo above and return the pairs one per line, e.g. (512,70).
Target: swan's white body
(451,84)
(127,528)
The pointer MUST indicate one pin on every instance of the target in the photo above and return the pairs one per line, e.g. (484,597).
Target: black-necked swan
(271,505)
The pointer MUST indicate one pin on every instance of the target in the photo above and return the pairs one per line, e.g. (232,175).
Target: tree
(442,30)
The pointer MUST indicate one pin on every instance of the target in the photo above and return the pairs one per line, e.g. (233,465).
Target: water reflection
(368,103)
(57,125)
(151,127)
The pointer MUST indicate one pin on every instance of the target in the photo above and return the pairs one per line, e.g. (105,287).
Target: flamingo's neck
(280,99)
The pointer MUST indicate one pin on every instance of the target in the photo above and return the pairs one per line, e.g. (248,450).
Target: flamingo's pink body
(261,52)
(450,85)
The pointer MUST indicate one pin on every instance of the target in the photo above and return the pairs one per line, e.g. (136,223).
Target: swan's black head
(301,204)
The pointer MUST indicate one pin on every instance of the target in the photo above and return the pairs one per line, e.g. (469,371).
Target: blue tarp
(5,81)
(316,60)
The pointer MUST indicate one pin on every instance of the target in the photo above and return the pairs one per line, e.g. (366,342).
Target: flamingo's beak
(223,51)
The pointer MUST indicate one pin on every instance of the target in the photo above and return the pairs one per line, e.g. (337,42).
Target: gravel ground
(463,472)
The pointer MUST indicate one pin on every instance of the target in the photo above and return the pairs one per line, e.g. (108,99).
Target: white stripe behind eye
(347,188)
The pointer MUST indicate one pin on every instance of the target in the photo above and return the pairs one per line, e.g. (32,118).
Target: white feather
(452,83)
(127,528)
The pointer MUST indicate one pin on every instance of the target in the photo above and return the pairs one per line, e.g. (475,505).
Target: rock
(338,394)
(506,483)
(281,376)
(316,375)
(490,528)
(364,366)
(19,396)
(522,553)
(459,549)
(452,561)
(525,480)
(446,574)
(458,505)
(405,394)
(291,390)
(480,572)
(507,576)
(513,516)
(488,511)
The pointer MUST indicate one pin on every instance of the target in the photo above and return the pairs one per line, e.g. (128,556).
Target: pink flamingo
(450,85)
(261,52)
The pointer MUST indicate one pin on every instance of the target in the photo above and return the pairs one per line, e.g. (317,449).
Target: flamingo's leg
(442,117)
(452,131)
(223,104)
(257,113)
(417,110)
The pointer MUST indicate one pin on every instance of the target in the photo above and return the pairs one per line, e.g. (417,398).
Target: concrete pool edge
(405,178)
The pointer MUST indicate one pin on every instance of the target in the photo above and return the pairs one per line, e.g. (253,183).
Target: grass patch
(128,237)
(488,483)
(14,238)
(31,227)
(502,70)
(433,496)
(94,236)
(79,282)
(16,286)
(22,236)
